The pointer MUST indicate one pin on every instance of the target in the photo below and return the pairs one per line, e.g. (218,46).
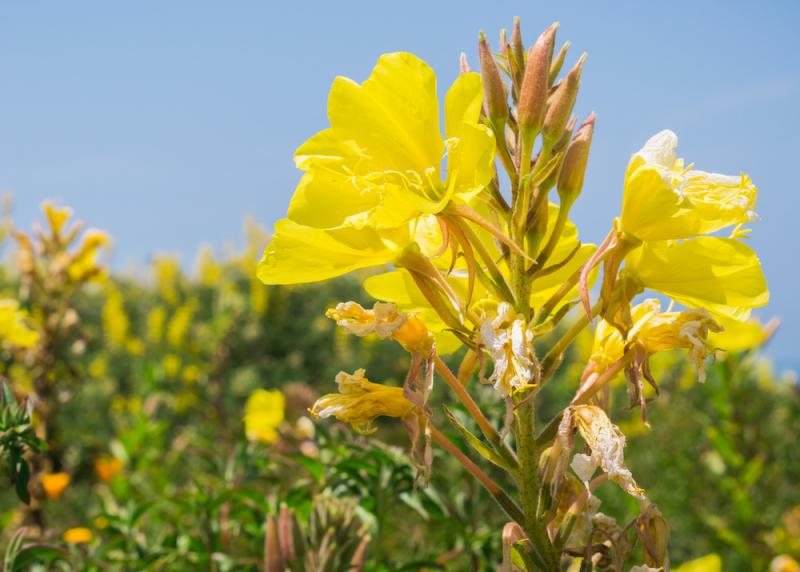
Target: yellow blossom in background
(13,327)
(710,563)
(665,199)
(373,178)
(156,320)
(78,535)
(57,217)
(171,365)
(167,274)
(209,271)
(264,412)
(106,468)
(360,401)
(54,484)
(116,325)
(782,563)
(179,324)
(83,265)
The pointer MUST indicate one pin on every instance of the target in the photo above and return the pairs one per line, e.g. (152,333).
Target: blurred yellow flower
(167,274)
(709,563)
(78,535)
(171,365)
(116,324)
(54,484)
(83,264)
(209,271)
(179,325)
(57,217)
(264,412)
(13,328)
(106,468)
(360,401)
(156,319)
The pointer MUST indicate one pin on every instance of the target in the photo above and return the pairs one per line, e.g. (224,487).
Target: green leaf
(482,449)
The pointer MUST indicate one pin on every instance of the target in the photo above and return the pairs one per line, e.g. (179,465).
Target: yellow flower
(709,563)
(78,535)
(209,271)
(167,274)
(654,331)
(13,329)
(373,178)
(664,199)
(386,321)
(360,401)
(156,318)
(83,264)
(722,275)
(54,484)
(116,325)
(106,468)
(264,412)
(172,365)
(56,217)
(179,325)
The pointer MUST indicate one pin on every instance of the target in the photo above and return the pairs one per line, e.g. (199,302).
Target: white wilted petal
(510,344)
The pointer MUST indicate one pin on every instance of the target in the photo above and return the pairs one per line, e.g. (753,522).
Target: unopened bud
(558,62)
(573,169)
(561,104)
(517,45)
(533,94)
(463,64)
(494,91)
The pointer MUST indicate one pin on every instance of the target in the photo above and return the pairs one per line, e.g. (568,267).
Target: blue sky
(166,123)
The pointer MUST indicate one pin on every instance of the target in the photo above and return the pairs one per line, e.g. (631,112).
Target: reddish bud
(495,99)
(573,169)
(533,94)
(561,104)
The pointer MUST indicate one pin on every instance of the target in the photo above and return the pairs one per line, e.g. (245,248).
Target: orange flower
(54,484)
(78,535)
(107,468)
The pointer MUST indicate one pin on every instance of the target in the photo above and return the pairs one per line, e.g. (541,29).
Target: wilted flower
(509,341)
(384,320)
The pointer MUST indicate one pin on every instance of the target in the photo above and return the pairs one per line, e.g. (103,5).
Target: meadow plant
(488,268)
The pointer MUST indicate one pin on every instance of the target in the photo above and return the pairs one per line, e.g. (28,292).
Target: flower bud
(561,104)
(558,63)
(495,99)
(516,62)
(573,169)
(535,85)
(463,64)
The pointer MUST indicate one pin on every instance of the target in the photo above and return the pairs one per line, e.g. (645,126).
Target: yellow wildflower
(209,271)
(79,535)
(83,264)
(156,319)
(360,401)
(116,325)
(665,199)
(373,178)
(709,563)
(13,329)
(167,274)
(386,321)
(56,217)
(264,412)
(106,468)
(54,484)
(179,325)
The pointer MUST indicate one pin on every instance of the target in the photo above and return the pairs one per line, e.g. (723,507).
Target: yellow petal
(299,254)
(709,563)
(393,115)
(264,412)
(719,274)
(738,335)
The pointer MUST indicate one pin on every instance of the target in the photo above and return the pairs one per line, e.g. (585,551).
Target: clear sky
(165,123)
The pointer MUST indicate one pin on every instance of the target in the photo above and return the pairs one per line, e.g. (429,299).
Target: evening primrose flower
(386,321)
(360,401)
(663,198)
(654,331)
(509,341)
(373,179)
(54,484)
(83,263)
(264,412)
(13,327)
